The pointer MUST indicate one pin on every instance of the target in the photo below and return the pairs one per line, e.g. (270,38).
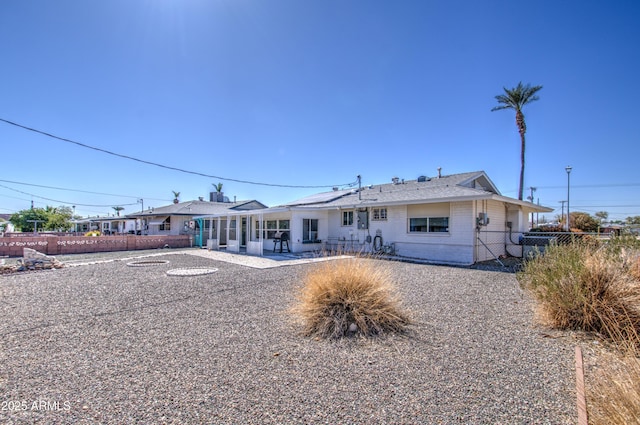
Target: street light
(568,169)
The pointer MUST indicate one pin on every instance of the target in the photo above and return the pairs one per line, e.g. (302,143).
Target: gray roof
(193,208)
(452,188)
(474,185)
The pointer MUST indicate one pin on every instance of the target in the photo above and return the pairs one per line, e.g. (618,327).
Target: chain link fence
(494,245)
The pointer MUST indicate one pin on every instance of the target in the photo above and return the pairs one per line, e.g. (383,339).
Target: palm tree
(516,98)
(118,209)
(176,195)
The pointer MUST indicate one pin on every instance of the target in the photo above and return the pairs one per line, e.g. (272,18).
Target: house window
(309,230)
(166,224)
(379,214)
(271,227)
(347,218)
(429,225)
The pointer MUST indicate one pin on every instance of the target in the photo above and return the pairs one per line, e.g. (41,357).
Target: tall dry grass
(596,288)
(347,297)
(614,388)
(588,288)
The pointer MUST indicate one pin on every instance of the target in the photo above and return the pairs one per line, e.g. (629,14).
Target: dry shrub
(634,267)
(582,288)
(346,297)
(615,388)
(613,308)
(597,288)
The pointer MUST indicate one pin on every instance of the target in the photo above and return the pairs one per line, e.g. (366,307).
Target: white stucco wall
(297,218)
(455,247)
(493,235)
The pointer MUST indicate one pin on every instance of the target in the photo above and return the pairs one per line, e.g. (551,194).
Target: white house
(106,225)
(178,218)
(452,219)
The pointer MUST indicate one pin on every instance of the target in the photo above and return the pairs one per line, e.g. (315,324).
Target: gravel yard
(109,343)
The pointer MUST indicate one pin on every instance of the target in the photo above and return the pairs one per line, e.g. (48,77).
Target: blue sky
(313,93)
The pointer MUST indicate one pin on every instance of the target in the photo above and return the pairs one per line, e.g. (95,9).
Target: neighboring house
(178,218)
(610,228)
(452,219)
(106,225)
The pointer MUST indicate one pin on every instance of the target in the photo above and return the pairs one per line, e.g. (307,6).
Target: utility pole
(562,214)
(568,170)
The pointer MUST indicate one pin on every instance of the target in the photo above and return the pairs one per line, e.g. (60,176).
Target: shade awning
(157,221)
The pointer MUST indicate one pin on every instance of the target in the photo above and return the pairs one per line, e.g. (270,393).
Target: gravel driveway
(108,343)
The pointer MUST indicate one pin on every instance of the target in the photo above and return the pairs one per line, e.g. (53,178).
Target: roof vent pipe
(439,172)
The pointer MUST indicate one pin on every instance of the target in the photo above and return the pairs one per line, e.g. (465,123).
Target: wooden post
(583,418)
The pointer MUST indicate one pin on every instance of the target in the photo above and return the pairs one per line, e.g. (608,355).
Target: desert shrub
(585,287)
(614,387)
(347,297)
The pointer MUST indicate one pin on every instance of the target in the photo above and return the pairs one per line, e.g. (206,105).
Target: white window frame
(347,218)
(308,237)
(271,227)
(427,225)
(379,214)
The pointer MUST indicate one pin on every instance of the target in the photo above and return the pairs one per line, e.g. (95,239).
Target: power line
(63,202)
(590,186)
(166,166)
(78,190)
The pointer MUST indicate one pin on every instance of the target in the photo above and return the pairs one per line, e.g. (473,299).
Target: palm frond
(517,97)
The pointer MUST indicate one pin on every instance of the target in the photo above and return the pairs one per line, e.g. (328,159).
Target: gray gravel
(107,343)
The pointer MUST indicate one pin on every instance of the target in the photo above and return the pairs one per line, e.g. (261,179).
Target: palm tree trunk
(522,128)
(521,187)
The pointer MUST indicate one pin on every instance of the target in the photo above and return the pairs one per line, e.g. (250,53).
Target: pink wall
(58,245)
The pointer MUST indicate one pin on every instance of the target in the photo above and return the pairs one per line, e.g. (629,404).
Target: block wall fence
(59,245)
